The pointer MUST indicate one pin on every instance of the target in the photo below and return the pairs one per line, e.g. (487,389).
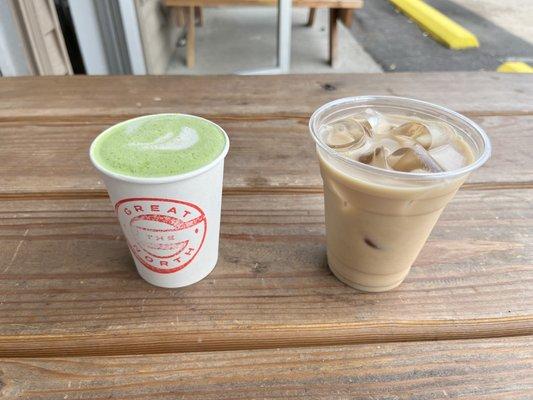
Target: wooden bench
(338,9)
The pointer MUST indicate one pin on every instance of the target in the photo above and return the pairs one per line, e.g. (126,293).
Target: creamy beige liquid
(377,227)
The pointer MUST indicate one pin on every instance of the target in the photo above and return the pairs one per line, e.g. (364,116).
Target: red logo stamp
(163,234)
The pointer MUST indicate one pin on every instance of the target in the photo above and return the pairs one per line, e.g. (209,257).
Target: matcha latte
(164,175)
(159,145)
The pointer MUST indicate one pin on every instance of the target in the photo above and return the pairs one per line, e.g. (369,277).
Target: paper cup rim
(160,179)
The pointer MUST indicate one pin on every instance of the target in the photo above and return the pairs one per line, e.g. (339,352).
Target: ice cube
(414,157)
(372,117)
(441,133)
(415,130)
(448,157)
(366,157)
(369,131)
(390,144)
(429,134)
(380,123)
(344,134)
(357,151)
(377,158)
(339,139)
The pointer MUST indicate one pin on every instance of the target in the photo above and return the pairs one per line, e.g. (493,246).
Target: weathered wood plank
(466,369)
(264,155)
(82,97)
(68,286)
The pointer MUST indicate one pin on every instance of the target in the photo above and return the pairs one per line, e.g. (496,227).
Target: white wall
(89,36)
(159,34)
(13,59)
(130,23)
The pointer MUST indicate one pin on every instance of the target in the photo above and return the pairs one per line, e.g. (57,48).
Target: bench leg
(180,17)
(199,15)
(312,15)
(333,35)
(346,17)
(190,37)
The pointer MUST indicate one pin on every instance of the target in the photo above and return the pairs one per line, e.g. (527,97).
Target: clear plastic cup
(377,221)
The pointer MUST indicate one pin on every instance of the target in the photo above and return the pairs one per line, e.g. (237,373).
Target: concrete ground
(243,38)
(504,30)
(516,16)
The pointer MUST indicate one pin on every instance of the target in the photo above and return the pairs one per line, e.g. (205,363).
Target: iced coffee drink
(389,165)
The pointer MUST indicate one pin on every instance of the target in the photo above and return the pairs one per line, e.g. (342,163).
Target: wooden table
(76,321)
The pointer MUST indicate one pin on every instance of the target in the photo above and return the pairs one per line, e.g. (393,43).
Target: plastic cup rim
(161,179)
(405,102)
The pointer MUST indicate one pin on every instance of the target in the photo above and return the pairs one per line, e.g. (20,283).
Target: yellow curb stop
(438,25)
(516,67)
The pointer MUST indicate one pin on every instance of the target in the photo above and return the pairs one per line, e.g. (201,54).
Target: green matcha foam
(159,145)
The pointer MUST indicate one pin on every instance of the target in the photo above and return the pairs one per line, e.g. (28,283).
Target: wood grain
(350,4)
(68,286)
(466,369)
(82,98)
(265,155)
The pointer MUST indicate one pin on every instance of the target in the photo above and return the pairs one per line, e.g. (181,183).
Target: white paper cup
(171,224)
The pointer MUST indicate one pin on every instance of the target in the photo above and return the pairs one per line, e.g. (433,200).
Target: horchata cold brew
(389,165)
